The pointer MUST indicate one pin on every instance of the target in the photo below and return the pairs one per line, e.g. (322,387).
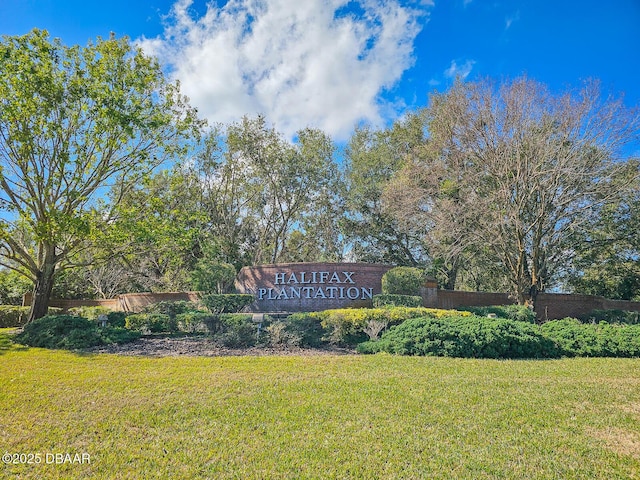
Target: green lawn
(319,416)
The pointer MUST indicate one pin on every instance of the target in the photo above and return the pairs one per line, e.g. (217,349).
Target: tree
(73,122)
(373,157)
(527,171)
(158,231)
(259,188)
(608,260)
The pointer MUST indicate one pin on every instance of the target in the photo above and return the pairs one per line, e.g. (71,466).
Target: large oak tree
(515,173)
(75,121)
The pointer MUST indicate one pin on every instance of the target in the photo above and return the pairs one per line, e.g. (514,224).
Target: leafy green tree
(403,281)
(607,261)
(75,121)
(13,286)
(258,188)
(373,157)
(212,276)
(157,232)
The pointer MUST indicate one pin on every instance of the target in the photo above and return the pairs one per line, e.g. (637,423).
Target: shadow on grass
(7,345)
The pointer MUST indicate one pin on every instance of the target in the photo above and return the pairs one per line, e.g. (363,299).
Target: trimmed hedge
(464,336)
(12,316)
(403,281)
(345,326)
(192,322)
(237,330)
(308,328)
(227,303)
(611,316)
(519,313)
(70,332)
(394,300)
(151,323)
(577,339)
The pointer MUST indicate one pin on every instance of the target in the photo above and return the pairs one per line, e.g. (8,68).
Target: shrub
(229,303)
(519,313)
(611,316)
(237,331)
(91,313)
(593,340)
(192,322)
(114,319)
(307,327)
(12,316)
(347,325)
(70,332)
(151,323)
(117,319)
(279,335)
(403,281)
(464,336)
(394,300)
(172,309)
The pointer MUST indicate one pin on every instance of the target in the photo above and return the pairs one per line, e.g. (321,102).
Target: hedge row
(481,337)
(468,336)
(71,332)
(394,300)
(14,316)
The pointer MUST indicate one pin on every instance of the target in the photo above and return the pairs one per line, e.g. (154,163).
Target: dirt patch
(205,347)
(619,441)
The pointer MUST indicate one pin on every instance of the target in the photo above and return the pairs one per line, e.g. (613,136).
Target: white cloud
(459,71)
(320,63)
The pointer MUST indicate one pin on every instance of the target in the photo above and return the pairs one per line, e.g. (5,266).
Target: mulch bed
(205,347)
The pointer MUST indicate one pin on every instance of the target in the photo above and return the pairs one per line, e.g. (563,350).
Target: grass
(354,416)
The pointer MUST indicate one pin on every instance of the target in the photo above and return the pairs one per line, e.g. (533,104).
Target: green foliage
(74,120)
(373,157)
(611,316)
(117,319)
(114,319)
(346,326)
(91,313)
(394,300)
(171,317)
(13,286)
(237,331)
(151,323)
(229,303)
(279,334)
(307,327)
(519,313)
(70,332)
(172,309)
(469,337)
(197,321)
(13,316)
(593,340)
(213,277)
(403,281)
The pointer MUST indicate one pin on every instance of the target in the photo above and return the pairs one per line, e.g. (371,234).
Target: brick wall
(448,299)
(549,306)
(306,287)
(129,302)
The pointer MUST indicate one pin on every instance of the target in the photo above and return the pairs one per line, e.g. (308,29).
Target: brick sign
(306,287)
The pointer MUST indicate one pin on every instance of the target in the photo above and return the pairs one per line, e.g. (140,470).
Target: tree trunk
(42,289)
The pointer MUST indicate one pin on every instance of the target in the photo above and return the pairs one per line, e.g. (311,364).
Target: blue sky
(332,63)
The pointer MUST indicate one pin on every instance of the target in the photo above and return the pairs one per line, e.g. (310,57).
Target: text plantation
(315,285)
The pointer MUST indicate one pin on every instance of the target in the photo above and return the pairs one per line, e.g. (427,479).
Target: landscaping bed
(204,346)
